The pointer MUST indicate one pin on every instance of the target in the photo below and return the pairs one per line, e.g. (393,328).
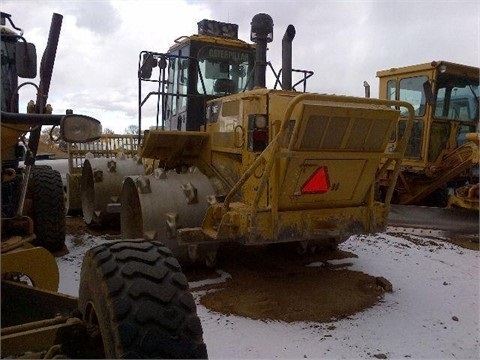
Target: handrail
(162,83)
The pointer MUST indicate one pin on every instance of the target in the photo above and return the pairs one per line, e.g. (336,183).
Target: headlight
(80,128)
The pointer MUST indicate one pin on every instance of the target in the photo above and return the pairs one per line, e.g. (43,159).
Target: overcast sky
(343,42)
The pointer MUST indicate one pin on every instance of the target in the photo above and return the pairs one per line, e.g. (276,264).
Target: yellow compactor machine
(230,160)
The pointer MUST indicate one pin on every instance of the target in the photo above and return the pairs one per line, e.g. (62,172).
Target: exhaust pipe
(287,57)
(366,85)
(261,34)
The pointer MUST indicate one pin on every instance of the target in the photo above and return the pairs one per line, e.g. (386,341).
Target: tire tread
(48,208)
(151,313)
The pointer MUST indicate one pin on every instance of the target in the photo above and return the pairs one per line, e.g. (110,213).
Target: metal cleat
(143,184)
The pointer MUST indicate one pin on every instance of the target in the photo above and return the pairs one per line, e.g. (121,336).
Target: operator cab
(197,68)
(445,97)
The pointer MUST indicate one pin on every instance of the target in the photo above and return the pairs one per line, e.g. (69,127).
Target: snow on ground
(432,313)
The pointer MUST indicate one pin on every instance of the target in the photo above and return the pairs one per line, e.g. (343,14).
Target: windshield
(412,90)
(224,70)
(457,98)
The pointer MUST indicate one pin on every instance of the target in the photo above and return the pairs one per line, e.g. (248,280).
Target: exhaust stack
(287,57)
(261,34)
(366,85)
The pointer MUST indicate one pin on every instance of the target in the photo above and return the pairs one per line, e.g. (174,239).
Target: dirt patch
(467,242)
(77,226)
(275,284)
(442,238)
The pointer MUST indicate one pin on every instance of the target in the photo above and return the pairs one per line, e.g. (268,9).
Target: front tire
(136,295)
(48,206)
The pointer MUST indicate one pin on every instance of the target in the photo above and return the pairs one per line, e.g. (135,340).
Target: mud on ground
(274,283)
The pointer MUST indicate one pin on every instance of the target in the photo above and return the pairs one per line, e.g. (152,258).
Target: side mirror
(148,63)
(26,60)
(80,128)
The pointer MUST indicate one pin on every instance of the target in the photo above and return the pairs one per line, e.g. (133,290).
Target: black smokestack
(287,57)
(261,34)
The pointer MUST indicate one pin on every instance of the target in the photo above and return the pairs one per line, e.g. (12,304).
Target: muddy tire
(48,207)
(136,295)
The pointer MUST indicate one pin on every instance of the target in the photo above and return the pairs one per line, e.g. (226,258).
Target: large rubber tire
(48,207)
(136,295)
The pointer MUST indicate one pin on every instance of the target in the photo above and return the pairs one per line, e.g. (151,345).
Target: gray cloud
(98,16)
(343,42)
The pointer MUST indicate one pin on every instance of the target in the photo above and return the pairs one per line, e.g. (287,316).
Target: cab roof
(208,39)
(469,71)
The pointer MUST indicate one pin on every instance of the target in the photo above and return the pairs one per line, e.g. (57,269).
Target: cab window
(457,102)
(456,99)
(224,70)
(391,90)
(412,90)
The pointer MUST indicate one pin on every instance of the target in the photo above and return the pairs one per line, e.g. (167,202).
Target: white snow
(432,313)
